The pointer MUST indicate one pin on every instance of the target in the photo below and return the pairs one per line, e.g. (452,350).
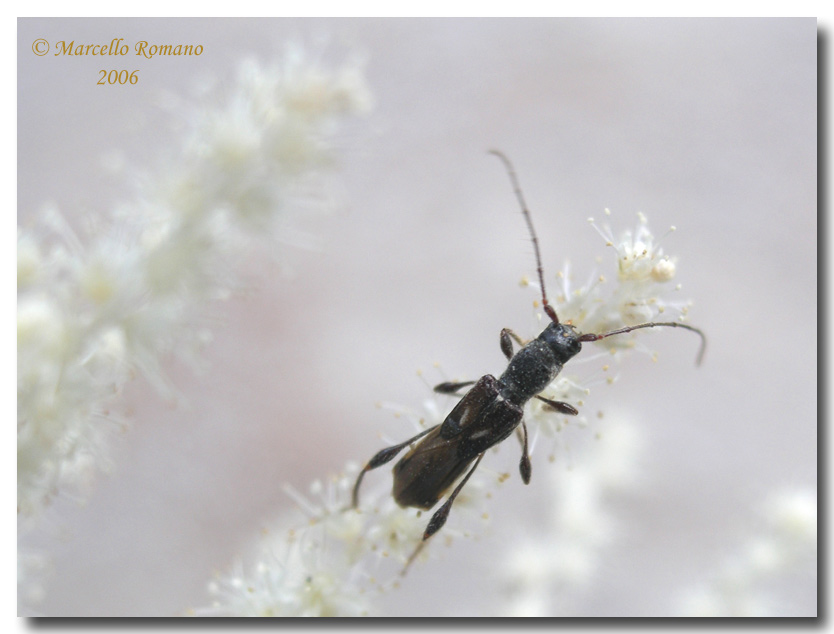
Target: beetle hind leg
(382,457)
(450,387)
(440,516)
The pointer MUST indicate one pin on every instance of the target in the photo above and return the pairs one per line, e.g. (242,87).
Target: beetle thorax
(538,363)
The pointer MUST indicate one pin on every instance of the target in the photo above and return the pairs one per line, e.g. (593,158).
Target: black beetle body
(486,415)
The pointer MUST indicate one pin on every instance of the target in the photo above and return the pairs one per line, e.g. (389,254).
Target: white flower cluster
(641,292)
(344,548)
(92,311)
(334,560)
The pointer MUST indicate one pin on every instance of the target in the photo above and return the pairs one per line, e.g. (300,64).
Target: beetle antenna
(651,324)
(520,196)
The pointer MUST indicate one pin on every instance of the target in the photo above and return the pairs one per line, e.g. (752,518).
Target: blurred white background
(709,125)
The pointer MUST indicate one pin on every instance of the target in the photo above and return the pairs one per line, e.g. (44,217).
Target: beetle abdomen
(426,472)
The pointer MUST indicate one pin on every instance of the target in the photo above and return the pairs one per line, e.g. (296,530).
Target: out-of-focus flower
(93,310)
(546,570)
(784,547)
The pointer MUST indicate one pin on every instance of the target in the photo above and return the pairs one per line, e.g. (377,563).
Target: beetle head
(562,340)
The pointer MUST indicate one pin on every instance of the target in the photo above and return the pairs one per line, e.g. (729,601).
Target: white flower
(784,547)
(291,576)
(93,310)
(637,294)
(334,558)
(641,293)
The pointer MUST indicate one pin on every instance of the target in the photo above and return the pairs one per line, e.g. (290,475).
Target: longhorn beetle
(490,411)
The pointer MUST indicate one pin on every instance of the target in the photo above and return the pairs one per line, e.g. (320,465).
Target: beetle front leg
(507,344)
(382,457)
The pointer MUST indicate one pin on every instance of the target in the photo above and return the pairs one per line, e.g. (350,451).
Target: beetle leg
(560,406)
(507,344)
(381,458)
(440,516)
(525,466)
(451,387)
(413,556)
